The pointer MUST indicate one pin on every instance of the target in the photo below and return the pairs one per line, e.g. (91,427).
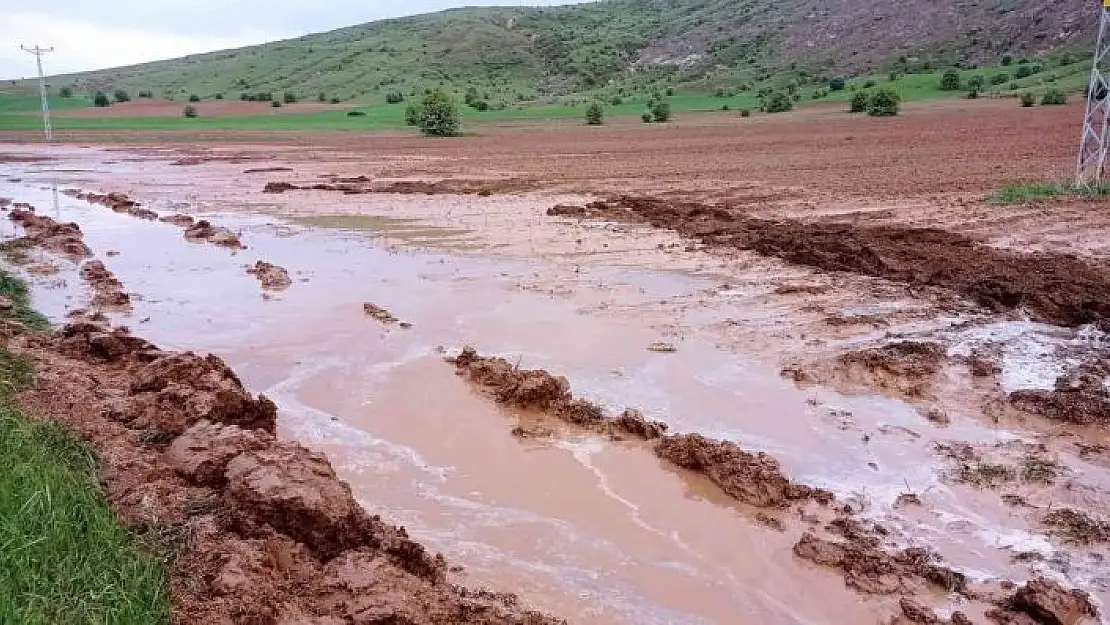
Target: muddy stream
(589,529)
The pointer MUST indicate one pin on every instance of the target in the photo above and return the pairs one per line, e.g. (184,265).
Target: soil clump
(270,276)
(61,238)
(203,230)
(108,291)
(1080,396)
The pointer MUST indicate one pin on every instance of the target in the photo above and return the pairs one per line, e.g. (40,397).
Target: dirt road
(936,416)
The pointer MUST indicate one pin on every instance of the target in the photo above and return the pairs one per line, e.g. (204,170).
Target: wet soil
(270,276)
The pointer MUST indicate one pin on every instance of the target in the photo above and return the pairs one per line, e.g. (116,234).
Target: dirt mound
(177,219)
(1080,397)
(118,202)
(1053,288)
(278,187)
(266,170)
(270,276)
(906,367)
(203,230)
(269,533)
(107,289)
(754,479)
(1046,603)
(61,238)
(378,313)
(452,186)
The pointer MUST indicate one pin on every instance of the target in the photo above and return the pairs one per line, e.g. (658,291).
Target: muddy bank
(452,186)
(118,202)
(65,239)
(270,276)
(108,291)
(1053,288)
(1080,396)
(264,529)
(905,368)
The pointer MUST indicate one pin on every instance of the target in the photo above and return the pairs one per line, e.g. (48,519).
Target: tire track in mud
(1054,288)
(831,534)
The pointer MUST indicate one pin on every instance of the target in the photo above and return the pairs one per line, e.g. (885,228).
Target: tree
(323,97)
(439,115)
(1028,99)
(412,115)
(194,98)
(1007,60)
(950,81)
(778,102)
(660,110)
(66,92)
(976,83)
(884,103)
(191,111)
(595,115)
(394,97)
(837,84)
(1024,70)
(289,97)
(859,102)
(101,99)
(121,96)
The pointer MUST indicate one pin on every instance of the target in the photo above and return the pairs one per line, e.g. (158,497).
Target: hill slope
(518,54)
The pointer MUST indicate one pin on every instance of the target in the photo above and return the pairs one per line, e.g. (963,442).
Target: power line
(39,53)
(1093,145)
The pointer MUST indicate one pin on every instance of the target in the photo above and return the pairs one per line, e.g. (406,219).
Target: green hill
(620,47)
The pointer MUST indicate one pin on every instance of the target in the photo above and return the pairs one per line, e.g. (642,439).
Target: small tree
(275,104)
(1024,70)
(194,98)
(976,83)
(101,99)
(66,92)
(837,83)
(884,103)
(646,118)
(1054,97)
(745,112)
(595,115)
(859,102)
(323,97)
(289,97)
(191,111)
(950,81)
(1007,60)
(1028,99)
(412,115)
(1000,79)
(121,96)
(439,115)
(778,102)
(661,111)
(394,97)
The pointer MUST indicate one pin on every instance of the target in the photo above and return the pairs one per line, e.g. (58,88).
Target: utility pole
(1091,166)
(39,52)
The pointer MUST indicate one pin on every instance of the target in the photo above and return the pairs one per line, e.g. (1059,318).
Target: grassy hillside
(619,48)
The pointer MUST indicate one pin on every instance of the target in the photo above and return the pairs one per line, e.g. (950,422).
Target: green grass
(28,103)
(1025,192)
(64,559)
(16,290)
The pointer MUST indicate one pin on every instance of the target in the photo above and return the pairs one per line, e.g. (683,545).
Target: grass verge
(63,556)
(1023,192)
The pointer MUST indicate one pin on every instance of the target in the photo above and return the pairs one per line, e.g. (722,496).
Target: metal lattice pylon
(1096,125)
(47,128)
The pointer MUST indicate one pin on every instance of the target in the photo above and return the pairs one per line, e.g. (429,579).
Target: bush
(412,115)
(837,83)
(246,97)
(1000,79)
(950,81)
(976,83)
(480,105)
(1054,97)
(191,111)
(101,99)
(595,115)
(66,92)
(1024,71)
(394,97)
(884,103)
(869,84)
(859,102)
(973,95)
(1007,60)
(275,104)
(121,96)
(335,100)
(670,91)
(194,98)
(323,97)
(147,95)
(778,102)
(289,97)
(745,112)
(439,116)
(661,111)
(219,96)
(356,113)
(1028,99)
(617,100)
(646,118)
(725,107)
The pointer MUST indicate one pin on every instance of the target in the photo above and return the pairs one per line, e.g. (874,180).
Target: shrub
(289,97)
(66,92)
(646,118)
(894,76)
(837,83)
(264,96)
(1007,60)
(1054,97)
(725,107)
(439,116)
(1024,71)
(412,115)
(884,103)
(246,97)
(869,84)
(595,115)
(194,98)
(191,111)
(670,91)
(661,111)
(480,105)
(1028,99)
(335,100)
(778,102)
(101,99)
(745,112)
(394,97)
(323,97)
(275,104)
(976,83)
(859,102)
(219,96)
(617,100)
(950,81)
(146,94)
(1000,79)
(972,95)
(356,113)
(121,96)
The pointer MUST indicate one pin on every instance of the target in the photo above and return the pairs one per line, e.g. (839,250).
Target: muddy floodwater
(589,529)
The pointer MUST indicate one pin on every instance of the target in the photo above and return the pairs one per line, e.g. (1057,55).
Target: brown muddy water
(595,531)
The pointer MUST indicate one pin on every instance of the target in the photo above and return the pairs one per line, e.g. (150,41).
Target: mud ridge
(195,231)
(204,231)
(268,533)
(61,238)
(108,291)
(270,276)
(453,186)
(1052,288)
